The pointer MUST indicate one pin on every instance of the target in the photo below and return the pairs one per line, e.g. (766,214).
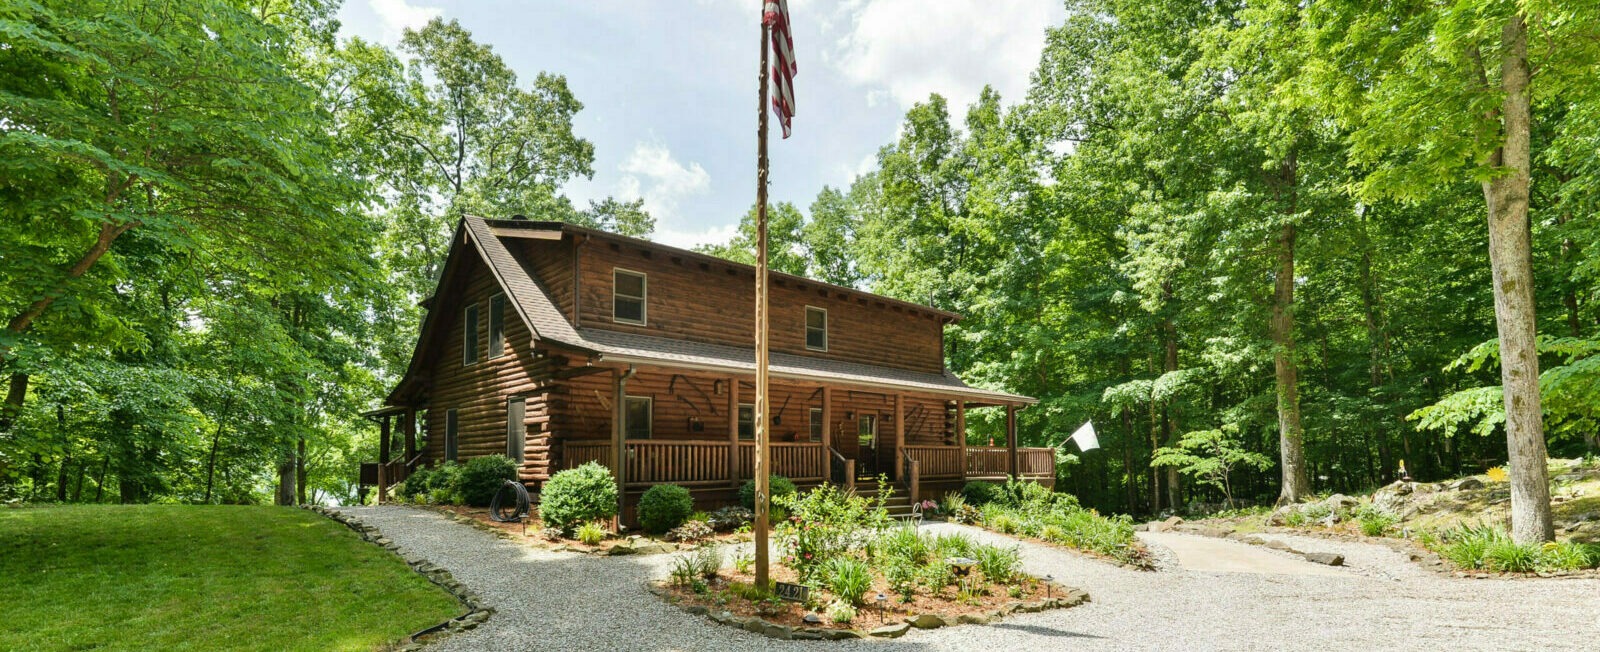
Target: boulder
(973,619)
(1466,484)
(1327,558)
(774,630)
(895,630)
(1340,502)
(927,621)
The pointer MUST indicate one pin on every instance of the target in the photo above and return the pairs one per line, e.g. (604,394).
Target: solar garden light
(1048,580)
(882,599)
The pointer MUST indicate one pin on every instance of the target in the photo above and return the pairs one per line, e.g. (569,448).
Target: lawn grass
(183,577)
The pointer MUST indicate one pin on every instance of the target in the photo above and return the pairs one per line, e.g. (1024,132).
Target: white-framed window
(469,335)
(747,421)
(816,424)
(638,417)
(497,325)
(816,328)
(516,428)
(629,290)
(451,423)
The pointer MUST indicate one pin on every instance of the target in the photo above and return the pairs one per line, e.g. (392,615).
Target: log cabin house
(558,345)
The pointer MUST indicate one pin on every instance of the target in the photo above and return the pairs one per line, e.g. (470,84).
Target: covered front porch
(839,433)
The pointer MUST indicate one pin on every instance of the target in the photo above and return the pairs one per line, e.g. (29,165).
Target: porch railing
(994,462)
(797,461)
(938,461)
(698,462)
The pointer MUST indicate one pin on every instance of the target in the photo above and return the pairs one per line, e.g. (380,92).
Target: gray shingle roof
(533,303)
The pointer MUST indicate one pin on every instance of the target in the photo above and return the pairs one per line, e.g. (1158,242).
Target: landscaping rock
(774,630)
(1165,526)
(1466,484)
(973,619)
(1328,558)
(653,548)
(927,621)
(891,631)
(1276,544)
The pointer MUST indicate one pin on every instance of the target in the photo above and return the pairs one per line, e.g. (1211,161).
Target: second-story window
(816,329)
(469,335)
(628,291)
(497,325)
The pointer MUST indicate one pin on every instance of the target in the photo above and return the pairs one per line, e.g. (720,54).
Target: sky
(669,86)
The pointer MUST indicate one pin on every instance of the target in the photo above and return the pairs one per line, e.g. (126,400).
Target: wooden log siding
(706,302)
(479,391)
(550,264)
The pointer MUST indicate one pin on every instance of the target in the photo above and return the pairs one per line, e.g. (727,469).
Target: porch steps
(898,505)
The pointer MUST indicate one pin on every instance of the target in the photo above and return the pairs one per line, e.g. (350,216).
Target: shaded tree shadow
(1045,631)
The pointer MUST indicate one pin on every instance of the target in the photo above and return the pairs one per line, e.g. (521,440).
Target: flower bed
(1031,510)
(863,572)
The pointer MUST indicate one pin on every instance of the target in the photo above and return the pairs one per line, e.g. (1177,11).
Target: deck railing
(705,462)
(994,462)
(938,461)
(797,461)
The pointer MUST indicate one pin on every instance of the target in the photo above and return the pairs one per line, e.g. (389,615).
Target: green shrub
(979,493)
(444,485)
(663,507)
(780,486)
(707,561)
(841,612)
(683,571)
(902,578)
(482,476)
(847,577)
(998,565)
(1374,522)
(1466,545)
(1510,556)
(903,543)
(826,524)
(937,575)
(952,504)
(591,534)
(952,545)
(573,496)
(416,485)
(1027,494)
(1562,556)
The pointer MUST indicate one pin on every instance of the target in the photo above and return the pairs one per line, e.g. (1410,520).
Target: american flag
(775,14)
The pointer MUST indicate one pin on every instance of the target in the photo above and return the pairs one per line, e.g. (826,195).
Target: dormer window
(628,292)
(816,329)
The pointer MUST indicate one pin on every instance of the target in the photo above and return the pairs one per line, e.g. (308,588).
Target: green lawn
(180,577)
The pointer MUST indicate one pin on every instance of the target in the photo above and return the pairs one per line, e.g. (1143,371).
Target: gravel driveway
(569,601)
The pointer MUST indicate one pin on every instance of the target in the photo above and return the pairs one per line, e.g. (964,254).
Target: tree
(1210,457)
(786,251)
(1446,93)
(625,217)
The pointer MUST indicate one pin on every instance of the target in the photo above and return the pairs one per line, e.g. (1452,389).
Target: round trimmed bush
(663,507)
(483,476)
(444,484)
(780,486)
(587,493)
(415,485)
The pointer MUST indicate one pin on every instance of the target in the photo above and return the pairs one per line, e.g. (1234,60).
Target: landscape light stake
(1048,580)
(882,599)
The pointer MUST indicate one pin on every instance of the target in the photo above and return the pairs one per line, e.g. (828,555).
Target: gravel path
(569,601)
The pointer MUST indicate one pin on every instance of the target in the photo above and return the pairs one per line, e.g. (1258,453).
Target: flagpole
(759,465)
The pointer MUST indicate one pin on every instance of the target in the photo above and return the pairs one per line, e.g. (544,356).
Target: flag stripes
(775,14)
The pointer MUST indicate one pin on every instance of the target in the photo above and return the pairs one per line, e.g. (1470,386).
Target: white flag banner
(1085,437)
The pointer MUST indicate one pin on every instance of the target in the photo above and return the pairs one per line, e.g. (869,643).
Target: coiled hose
(510,503)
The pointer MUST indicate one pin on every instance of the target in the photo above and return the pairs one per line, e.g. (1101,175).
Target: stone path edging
(476,614)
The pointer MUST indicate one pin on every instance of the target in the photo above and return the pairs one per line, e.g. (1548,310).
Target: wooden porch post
(1011,439)
(619,412)
(733,432)
(961,435)
(827,434)
(383,458)
(410,428)
(899,436)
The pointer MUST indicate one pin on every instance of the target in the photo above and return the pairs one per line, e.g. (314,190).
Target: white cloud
(687,239)
(651,173)
(910,48)
(395,16)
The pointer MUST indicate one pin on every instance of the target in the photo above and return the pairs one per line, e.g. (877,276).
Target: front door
(867,446)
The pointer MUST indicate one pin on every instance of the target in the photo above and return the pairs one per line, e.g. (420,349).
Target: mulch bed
(983,608)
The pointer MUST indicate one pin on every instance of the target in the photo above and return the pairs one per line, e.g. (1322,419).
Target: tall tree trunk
(1131,483)
(1510,256)
(286,478)
(216,438)
(100,482)
(66,458)
(1291,439)
(1169,333)
(16,391)
(300,472)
